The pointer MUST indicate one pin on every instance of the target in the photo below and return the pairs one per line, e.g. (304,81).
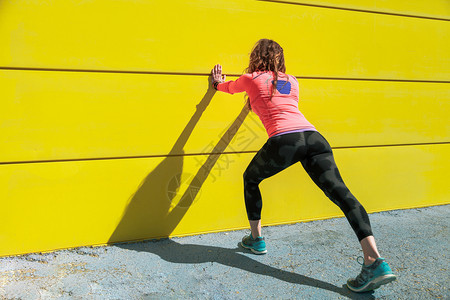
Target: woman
(273,96)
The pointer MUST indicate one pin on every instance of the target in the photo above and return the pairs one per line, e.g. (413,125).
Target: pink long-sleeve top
(279,113)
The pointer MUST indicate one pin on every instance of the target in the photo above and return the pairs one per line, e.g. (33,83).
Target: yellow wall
(108,131)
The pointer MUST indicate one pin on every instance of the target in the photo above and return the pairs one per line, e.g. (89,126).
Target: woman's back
(278,111)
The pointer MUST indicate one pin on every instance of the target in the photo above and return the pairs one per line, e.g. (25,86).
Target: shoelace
(364,275)
(361,263)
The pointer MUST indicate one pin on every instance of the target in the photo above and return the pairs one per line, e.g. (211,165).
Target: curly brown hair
(267,55)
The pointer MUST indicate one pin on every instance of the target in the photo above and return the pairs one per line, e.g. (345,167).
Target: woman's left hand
(216,73)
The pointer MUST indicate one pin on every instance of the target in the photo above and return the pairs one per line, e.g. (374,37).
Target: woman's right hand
(216,73)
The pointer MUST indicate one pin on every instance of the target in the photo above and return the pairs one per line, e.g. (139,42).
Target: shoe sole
(253,250)
(374,284)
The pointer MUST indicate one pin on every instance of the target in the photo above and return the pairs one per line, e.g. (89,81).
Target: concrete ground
(305,261)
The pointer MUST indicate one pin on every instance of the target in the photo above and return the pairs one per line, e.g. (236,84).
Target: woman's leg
(370,250)
(320,165)
(276,155)
(255,227)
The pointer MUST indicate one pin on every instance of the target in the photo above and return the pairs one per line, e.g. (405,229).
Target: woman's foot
(372,277)
(257,246)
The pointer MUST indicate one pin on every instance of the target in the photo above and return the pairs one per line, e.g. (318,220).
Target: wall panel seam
(208,74)
(201,154)
(358,10)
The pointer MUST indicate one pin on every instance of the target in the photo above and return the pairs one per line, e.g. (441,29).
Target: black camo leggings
(314,152)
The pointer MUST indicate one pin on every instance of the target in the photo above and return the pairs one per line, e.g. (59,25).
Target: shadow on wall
(156,208)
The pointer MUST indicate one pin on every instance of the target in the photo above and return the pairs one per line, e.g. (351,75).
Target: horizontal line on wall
(103,71)
(199,154)
(373,79)
(391,145)
(207,74)
(358,10)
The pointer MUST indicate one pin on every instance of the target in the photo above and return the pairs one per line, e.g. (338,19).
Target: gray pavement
(305,261)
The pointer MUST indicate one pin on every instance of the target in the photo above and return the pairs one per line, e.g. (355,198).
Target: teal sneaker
(257,246)
(371,276)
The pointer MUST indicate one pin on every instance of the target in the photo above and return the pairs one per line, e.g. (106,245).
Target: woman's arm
(231,87)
